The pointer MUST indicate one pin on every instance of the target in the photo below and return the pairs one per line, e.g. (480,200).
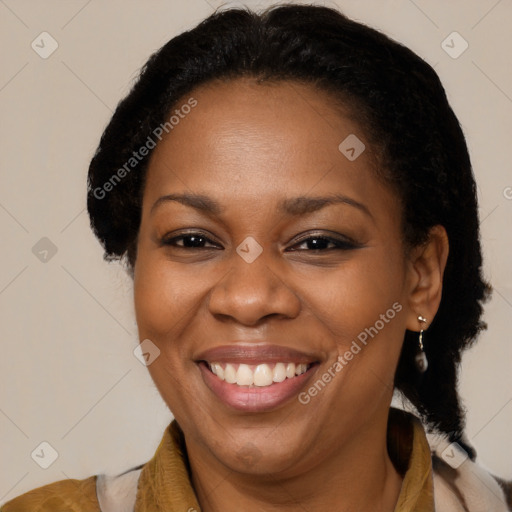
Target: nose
(252,292)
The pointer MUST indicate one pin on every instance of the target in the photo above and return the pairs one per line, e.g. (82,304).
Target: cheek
(167,296)
(166,300)
(363,318)
(352,297)
(159,300)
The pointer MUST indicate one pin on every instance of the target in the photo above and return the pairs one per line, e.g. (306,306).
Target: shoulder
(62,496)
(460,480)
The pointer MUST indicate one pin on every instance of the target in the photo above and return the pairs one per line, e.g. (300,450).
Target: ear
(427,263)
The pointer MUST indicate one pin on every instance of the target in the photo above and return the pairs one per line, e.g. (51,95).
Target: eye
(192,240)
(324,243)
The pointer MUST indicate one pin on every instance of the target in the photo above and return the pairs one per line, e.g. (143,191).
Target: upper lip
(255,354)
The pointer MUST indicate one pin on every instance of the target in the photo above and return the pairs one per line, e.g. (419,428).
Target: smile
(256,377)
(261,375)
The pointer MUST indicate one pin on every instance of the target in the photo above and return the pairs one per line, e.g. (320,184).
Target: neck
(359,476)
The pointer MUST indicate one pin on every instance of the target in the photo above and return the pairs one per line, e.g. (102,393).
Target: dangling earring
(421,358)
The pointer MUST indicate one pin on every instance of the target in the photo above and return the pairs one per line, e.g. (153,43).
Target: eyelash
(340,244)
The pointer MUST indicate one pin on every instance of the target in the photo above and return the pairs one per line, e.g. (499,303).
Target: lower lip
(255,399)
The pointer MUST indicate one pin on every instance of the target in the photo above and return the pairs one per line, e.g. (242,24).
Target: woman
(294,199)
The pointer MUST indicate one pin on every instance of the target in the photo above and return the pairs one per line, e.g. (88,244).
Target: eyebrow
(294,206)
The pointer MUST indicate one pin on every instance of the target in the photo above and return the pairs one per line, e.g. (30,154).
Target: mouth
(261,375)
(256,378)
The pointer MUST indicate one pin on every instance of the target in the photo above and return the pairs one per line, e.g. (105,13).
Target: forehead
(250,141)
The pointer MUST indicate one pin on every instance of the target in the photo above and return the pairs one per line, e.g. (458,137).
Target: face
(267,256)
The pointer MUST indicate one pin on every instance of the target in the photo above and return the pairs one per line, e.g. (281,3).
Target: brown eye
(189,241)
(323,243)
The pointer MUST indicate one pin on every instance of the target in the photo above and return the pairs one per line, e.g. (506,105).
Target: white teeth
(244,375)
(218,370)
(279,372)
(261,375)
(229,374)
(300,369)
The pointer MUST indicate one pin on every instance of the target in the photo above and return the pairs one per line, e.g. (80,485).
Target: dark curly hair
(401,105)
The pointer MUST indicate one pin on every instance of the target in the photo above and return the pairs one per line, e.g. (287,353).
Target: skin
(249,146)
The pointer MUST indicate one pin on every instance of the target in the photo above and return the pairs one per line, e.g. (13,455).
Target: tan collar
(410,452)
(165,484)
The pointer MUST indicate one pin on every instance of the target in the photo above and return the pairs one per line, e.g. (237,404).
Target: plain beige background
(69,376)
